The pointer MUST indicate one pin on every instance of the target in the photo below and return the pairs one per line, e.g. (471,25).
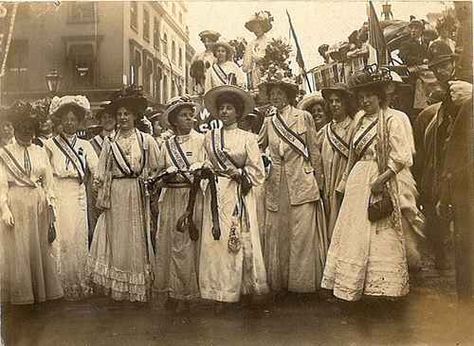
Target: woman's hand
(235,175)
(171,170)
(196,166)
(7,217)
(460,91)
(377,185)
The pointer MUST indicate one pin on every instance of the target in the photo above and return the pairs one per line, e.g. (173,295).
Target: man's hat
(416,22)
(210,34)
(439,52)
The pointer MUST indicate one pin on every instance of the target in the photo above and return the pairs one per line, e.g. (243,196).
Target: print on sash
(220,73)
(68,150)
(337,142)
(177,156)
(222,158)
(122,161)
(15,168)
(290,137)
(366,138)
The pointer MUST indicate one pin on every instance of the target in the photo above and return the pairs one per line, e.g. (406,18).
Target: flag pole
(299,55)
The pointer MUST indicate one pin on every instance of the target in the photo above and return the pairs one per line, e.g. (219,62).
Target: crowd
(320,195)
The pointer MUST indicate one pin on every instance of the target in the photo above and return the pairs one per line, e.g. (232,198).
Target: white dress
(218,74)
(72,243)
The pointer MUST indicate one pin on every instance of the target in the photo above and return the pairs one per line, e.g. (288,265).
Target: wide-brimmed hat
(173,106)
(229,49)
(309,100)
(416,22)
(212,35)
(21,112)
(340,88)
(370,77)
(263,19)
(104,107)
(41,108)
(278,77)
(212,95)
(130,97)
(79,101)
(439,52)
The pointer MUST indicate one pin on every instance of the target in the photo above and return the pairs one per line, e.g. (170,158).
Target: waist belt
(177,185)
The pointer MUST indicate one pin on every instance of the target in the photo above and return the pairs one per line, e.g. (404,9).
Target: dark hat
(371,76)
(340,88)
(438,53)
(21,112)
(104,107)
(210,98)
(212,35)
(41,109)
(416,22)
(129,97)
(278,77)
(262,18)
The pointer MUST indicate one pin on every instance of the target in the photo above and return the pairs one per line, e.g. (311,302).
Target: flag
(376,38)
(7,20)
(299,55)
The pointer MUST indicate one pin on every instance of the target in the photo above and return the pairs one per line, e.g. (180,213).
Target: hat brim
(211,96)
(288,87)
(165,118)
(139,104)
(81,116)
(327,91)
(370,85)
(228,48)
(310,100)
(250,25)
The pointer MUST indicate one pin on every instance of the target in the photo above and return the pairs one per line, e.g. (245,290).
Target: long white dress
(369,258)
(225,275)
(218,74)
(176,255)
(254,53)
(28,269)
(119,258)
(72,243)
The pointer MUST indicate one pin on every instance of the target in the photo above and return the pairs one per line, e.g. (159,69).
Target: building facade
(97,47)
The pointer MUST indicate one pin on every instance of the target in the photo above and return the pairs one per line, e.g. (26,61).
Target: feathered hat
(263,19)
(129,97)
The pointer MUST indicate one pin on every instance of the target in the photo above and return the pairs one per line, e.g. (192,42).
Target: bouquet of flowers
(276,55)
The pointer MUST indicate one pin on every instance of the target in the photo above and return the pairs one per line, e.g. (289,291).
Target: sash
(177,156)
(365,139)
(15,168)
(97,143)
(223,159)
(220,73)
(288,135)
(337,142)
(69,151)
(122,163)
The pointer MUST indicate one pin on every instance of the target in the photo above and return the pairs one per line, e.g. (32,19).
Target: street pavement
(430,315)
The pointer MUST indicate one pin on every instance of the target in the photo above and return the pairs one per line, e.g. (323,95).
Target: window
(156,33)
(81,12)
(181,17)
(135,64)
(165,43)
(165,89)
(157,76)
(17,66)
(134,15)
(146,25)
(173,51)
(180,57)
(81,57)
(147,76)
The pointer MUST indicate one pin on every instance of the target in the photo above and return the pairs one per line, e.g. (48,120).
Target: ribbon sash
(341,146)
(68,150)
(220,73)
(289,136)
(122,163)
(177,156)
(365,139)
(97,142)
(15,168)
(223,159)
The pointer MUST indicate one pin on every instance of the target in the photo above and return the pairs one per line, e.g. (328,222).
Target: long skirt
(225,275)
(295,244)
(72,245)
(118,259)
(28,272)
(176,256)
(364,257)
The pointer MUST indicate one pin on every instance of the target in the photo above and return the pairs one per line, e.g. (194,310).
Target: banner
(7,20)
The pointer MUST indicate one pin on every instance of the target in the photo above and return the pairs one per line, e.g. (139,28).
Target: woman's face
(107,121)
(278,97)
(25,132)
(208,43)
(70,123)
(227,114)
(183,122)
(221,54)
(6,130)
(46,127)
(319,116)
(258,30)
(369,102)
(125,118)
(336,105)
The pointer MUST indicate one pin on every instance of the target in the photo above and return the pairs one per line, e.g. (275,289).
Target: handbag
(380,206)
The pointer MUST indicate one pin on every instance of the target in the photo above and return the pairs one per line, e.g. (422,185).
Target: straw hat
(57,103)
(210,34)
(172,107)
(212,95)
(229,49)
(309,100)
(340,88)
(371,76)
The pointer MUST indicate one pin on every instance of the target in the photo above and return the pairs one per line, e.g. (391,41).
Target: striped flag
(376,38)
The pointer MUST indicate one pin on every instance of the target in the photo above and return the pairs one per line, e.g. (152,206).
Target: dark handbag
(51,233)
(380,206)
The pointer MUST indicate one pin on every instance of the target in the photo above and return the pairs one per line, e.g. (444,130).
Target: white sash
(122,162)
(289,136)
(220,73)
(68,150)
(15,168)
(337,142)
(177,156)
(223,160)
(97,142)
(361,143)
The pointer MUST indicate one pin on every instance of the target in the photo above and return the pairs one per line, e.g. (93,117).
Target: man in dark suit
(414,50)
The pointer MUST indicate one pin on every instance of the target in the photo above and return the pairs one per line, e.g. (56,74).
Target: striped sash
(223,159)
(97,143)
(120,159)
(288,135)
(339,145)
(361,144)
(220,73)
(178,157)
(68,150)
(15,168)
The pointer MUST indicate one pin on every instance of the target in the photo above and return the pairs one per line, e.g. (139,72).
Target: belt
(177,185)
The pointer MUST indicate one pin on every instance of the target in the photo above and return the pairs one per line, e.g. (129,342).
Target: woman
(334,140)
(121,252)
(28,273)
(224,71)
(73,161)
(107,123)
(176,265)
(315,105)
(367,252)
(231,261)
(294,220)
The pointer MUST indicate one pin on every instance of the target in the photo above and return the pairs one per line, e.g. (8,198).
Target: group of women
(305,204)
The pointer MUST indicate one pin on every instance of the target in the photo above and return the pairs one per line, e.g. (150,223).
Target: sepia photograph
(228,172)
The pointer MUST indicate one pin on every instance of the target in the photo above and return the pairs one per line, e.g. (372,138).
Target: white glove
(460,91)
(171,170)
(195,166)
